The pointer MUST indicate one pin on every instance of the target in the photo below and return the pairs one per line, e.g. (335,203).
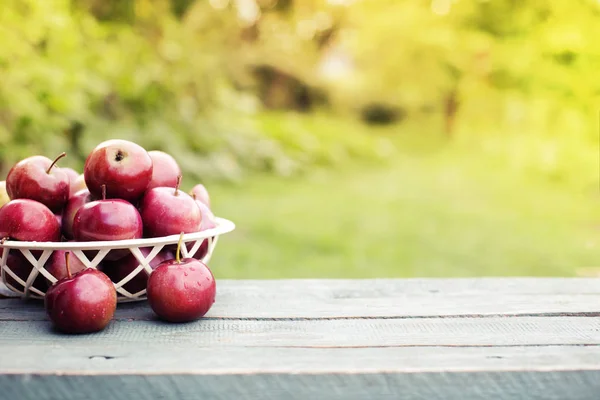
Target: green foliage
(75,74)
(177,75)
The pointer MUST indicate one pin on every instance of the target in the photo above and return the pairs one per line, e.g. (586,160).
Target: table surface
(324,339)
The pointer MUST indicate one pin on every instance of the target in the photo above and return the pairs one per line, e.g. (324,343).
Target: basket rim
(223,226)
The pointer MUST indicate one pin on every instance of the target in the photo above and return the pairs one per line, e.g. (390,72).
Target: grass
(446,214)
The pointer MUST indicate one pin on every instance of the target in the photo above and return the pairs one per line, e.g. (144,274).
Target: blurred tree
(185,75)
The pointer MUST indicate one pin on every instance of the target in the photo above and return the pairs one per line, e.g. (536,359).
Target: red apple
(57,265)
(76,181)
(29,221)
(73,205)
(58,217)
(200,193)
(107,219)
(37,178)
(208,222)
(181,290)
(82,303)
(208,218)
(123,166)
(165,170)
(167,211)
(118,270)
(71,173)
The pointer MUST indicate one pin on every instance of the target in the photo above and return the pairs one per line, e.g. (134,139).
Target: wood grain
(497,331)
(378,298)
(557,385)
(148,358)
(324,339)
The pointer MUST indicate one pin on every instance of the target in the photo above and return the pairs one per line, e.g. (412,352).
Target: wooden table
(318,339)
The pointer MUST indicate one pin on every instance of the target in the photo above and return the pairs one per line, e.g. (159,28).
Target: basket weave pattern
(38,253)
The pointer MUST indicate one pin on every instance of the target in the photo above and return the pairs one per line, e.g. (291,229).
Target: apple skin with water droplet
(181,290)
(82,303)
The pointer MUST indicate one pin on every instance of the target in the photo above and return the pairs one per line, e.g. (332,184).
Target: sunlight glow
(340,2)
(335,65)
(441,7)
(248,11)
(219,4)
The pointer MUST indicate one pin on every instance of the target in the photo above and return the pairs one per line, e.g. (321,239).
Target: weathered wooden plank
(365,288)
(59,366)
(337,339)
(389,287)
(555,385)
(124,358)
(376,298)
(493,331)
(408,307)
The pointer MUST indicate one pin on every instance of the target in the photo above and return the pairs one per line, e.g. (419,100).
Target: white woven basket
(43,251)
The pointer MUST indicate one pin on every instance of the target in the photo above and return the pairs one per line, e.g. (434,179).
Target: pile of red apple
(125,192)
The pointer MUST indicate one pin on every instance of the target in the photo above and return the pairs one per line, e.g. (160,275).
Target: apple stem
(103,192)
(177,254)
(177,185)
(61,155)
(67,264)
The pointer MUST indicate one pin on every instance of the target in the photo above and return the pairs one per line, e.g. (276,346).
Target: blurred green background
(346,138)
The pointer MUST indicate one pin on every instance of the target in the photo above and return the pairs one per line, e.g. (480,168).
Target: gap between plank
(461,346)
(244,372)
(397,317)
